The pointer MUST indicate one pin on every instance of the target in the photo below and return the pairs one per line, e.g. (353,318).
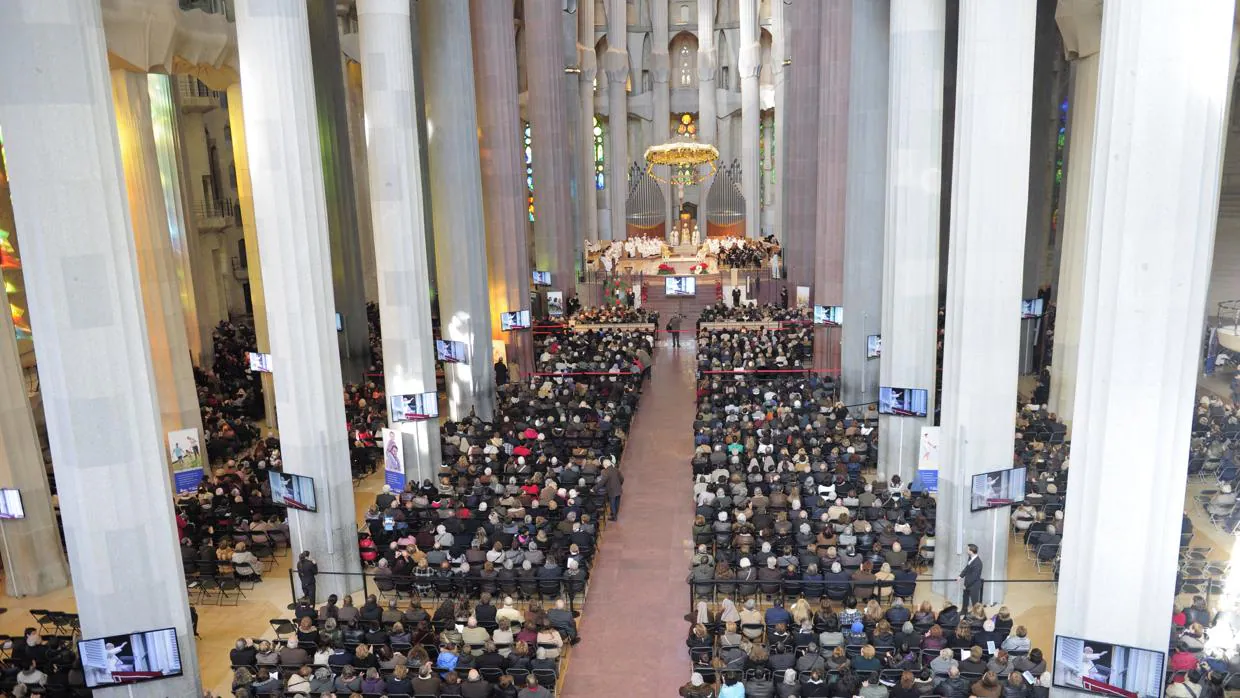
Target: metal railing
(222,208)
(211,7)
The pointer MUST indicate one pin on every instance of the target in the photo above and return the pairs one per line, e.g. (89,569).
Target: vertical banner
(185,455)
(928,459)
(555,304)
(394,459)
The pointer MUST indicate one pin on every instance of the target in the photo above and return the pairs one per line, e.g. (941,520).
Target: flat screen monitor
(292,491)
(873,346)
(413,408)
(998,489)
(830,315)
(1031,307)
(541,278)
(1108,669)
(680,286)
(123,659)
(516,320)
(259,362)
(339,322)
(902,402)
(11,504)
(449,351)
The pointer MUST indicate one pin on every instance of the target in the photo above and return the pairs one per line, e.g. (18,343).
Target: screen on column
(1107,668)
(132,658)
(11,504)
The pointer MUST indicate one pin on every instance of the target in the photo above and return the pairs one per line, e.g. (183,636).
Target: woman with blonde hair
(801,611)
(838,659)
(962,639)
(868,661)
(1018,641)
(924,614)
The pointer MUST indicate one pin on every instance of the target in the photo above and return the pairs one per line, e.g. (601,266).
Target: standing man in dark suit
(971,579)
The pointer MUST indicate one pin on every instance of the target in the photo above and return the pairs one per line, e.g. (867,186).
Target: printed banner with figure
(802,296)
(555,304)
(185,455)
(928,459)
(394,459)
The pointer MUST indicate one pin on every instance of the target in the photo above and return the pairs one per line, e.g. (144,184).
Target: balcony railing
(214,7)
(216,214)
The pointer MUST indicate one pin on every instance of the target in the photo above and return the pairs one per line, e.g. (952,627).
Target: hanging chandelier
(687,160)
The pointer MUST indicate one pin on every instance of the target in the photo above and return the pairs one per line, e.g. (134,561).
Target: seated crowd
(788,347)
(594,351)
(492,557)
(721,312)
(614,315)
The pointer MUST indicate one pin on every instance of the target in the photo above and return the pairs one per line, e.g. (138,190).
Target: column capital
(616,64)
(751,60)
(707,62)
(1080,23)
(660,65)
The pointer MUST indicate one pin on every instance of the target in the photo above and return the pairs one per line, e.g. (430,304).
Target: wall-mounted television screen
(1031,307)
(830,315)
(902,402)
(679,286)
(1107,668)
(413,408)
(516,320)
(122,659)
(339,322)
(11,504)
(292,491)
(873,346)
(259,362)
(449,351)
(998,489)
(541,278)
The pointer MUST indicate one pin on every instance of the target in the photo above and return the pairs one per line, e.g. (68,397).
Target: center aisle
(633,625)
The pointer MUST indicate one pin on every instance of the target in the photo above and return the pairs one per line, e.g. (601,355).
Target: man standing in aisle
(971,579)
(609,485)
(307,568)
(673,328)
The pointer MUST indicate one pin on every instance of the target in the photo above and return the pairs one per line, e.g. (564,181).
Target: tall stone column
(503,175)
(33,555)
(396,205)
(779,52)
(911,222)
(456,191)
(290,209)
(331,99)
(82,286)
(661,73)
(249,228)
(361,184)
(161,293)
(866,191)
(1080,23)
(1165,71)
(708,101)
(548,110)
(990,188)
(617,67)
(167,134)
(801,164)
(750,65)
(835,60)
(585,164)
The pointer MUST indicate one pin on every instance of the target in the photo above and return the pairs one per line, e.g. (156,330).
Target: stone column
(911,222)
(82,285)
(835,35)
(866,190)
(249,228)
(585,165)
(661,73)
(164,126)
(1080,23)
(990,188)
(361,184)
(779,52)
(1165,71)
(503,174)
(617,67)
(290,209)
(161,293)
(1044,132)
(708,101)
(548,111)
(801,164)
(348,282)
(456,190)
(396,205)
(750,65)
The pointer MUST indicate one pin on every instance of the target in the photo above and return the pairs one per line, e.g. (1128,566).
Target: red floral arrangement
(666,268)
(699,268)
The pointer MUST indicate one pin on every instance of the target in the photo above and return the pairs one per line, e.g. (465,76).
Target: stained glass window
(529,169)
(1057,187)
(10,261)
(600,159)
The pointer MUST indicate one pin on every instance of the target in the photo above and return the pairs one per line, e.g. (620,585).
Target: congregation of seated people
(594,351)
(722,312)
(753,349)
(614,315)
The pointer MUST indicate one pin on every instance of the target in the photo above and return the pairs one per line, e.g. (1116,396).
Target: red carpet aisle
(633,625)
